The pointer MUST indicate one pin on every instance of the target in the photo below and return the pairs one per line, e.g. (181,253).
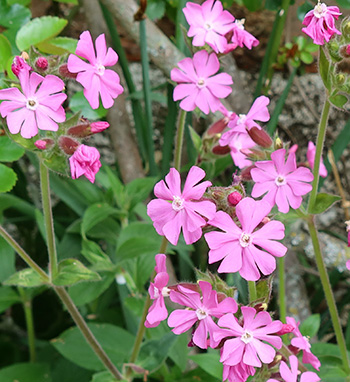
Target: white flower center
(245,240)
(207,26)
(31,104)
(240,23)
(165,292)
(201,313)
(156,292)
(247,337)
(178,203)
(320,10)
(280,181)
(242,119)
(100,69)
(201,82)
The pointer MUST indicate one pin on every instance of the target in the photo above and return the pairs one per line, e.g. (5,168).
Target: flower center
(280,181)
(207,26)
(31,104)
(245,240)
(242,119)
(247,337)
(178,203)
(240,23)
(165,292)
(201,313)
(155,292)
(201,82)
(320,10)
(100,69)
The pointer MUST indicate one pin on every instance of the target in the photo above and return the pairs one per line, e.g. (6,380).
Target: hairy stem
(179,139)
(252,291)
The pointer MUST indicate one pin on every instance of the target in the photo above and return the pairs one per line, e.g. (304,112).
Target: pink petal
(85,47)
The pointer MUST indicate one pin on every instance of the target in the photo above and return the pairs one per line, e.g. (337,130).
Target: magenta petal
(250,355)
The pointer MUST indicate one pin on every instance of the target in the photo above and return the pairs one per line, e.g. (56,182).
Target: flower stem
(50,234)
(85,330)
(23,254)
(282,289)
(329,294)
(252,291)
(179,139)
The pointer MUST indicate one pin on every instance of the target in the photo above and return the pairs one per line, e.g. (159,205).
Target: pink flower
(348,265)
(38,107)
(241,123)
(311,152)
(302,343)
(283,182)
(202,309)
(175,210)
(208,24)
(244,344)
(197,85)
(320,23)
(19,65)
(157,291)
(241,37)
(292,374)
(238,142)
(85,161)
(238,247)
(238,373)
(95,78)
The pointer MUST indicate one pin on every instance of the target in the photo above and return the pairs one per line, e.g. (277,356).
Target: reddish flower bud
(260,137)
(245,174)
(217,127)
(64,72)
(286,328)
(221,150)
(44,144)
(42,63)
(234,198)
(97,127)
(80,131)
(68,145)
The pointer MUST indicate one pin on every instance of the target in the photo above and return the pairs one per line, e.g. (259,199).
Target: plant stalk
(252,291)
(179,139)
(282,289)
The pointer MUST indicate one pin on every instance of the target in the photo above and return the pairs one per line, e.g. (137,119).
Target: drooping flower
(302,343)
(238,247)
(283,181)
(157,291)
(85,161)
(244,343)
(238,373)
(292,374)
(241,37)
(38,106)
(209,24)
(311,152)
(175,210)
(95,78)
(202,309)
(197,84)
(320,23)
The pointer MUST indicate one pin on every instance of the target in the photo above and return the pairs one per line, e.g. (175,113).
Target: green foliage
(7,260)
(78,103)
(323,202)
(338,100)
(209,362)
(58,45)
(25,278)
(5,52)
(8,297)
(104,376)
(26,372)
(72,271)
(155,9)
(310,326)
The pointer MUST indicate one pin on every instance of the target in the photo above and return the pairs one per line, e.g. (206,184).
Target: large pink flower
(283,181)
(240,248)
(38,107)
(157,291)
(208,24)
(175,210)
(292,374)
(95,78)
(202,309)
(310,154)
(85,161)
(245,343)
(197,84)
(320,23)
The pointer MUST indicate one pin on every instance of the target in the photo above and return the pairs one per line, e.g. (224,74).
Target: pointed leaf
(338,100)
(310,326)
(323,202)
(72,271)
(209,362)
(324,69)
(9,150)
(26,278)
(26,372)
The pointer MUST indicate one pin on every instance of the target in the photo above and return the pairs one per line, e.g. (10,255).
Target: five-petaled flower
(95,78)
(85,161)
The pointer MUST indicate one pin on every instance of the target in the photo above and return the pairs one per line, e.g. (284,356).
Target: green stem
(282,289)
(319,148)
(329,294)
(85,330)
(252,291)
(48,218)
(23,254)
(28,314)
(179,139)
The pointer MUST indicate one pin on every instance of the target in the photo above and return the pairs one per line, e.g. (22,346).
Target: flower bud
(245,174)
(64,72)
(217,127)
(68,145)
(344,66)
(234,198)
(260,137)
(97,127)
(339,79)
(221,150)
(275,361)
(85,128)
(19,65)
(286,328)
(278,144)
(344,51)
(346,29)
(44,144)
(41,63)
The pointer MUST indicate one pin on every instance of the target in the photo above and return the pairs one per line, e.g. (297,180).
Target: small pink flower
(311,152)
(244,344)
(175,210)
(302,343)
(202,309)
(348,265)
(197,84)
(209,24)
(85,161)
(157,291)
(320,23)
(240,249)
(241,37)
(238,373)
(95,78)
(283,181)
(19,65)
(38,107)
(239,142)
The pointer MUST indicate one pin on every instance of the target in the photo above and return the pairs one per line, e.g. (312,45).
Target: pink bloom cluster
(320,22)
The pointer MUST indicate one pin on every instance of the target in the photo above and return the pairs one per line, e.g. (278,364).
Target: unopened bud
(245,174)
(293,149)
(234,198)
(80,131)
(64,72)
(278,144)
(44,144)
(344,51)
(253,154)
(286,328)
(217,127)
(344,66)
(68,145)
(261,307)
(41,63)
(25,56)
(340,79)
(97,127)
(260,137)
(221,150)
(275,361)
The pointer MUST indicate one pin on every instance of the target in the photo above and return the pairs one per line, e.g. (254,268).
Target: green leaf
(58,45)
(72,271)
(138,190)
(306,57)
(96,214)
(26,372)
(155,9)
(39,30)
(79,103)
(252,5)
(7,260)
(344,4)
(14,16)
(26,278)
(94,254)
(179,351)
(209,362)
(311,325)
(324,69)
(9,150)
(115,341)
(8,297)
(303,10)
(21,2)
(338,100)
(196,139)
(104,376)
(264,289)
(8,178)
(5,52)
(323,202)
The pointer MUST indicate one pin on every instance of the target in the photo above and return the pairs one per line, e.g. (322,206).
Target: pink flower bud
(286,328)
(85,161)
(97,127)
(68,145)
(217,127)
(44,144)
(42,63)
(293,149)
(64,72)
(260,137)
(234,198)
(19,65)
(80,131)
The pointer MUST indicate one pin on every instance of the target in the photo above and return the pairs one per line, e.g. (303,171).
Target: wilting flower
(197,84)
(85,161)
(320,23)
(283,181)
(95,78)
(202,309)
(311,152)
(241,37)
(175,210)
(157,291)
(239,248)
(209,24)
(38,107)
